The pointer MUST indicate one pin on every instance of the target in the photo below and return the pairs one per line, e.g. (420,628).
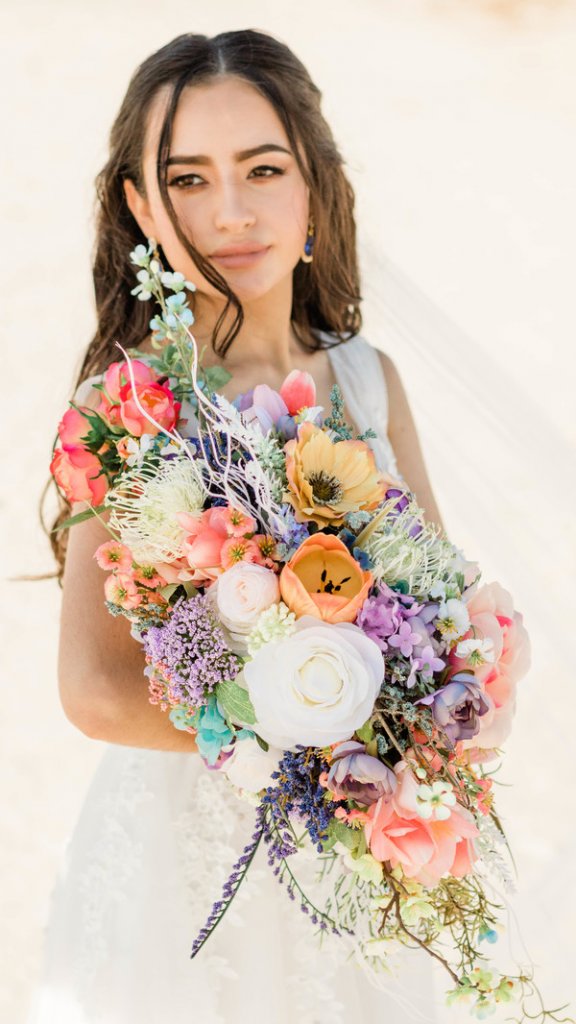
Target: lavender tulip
(458,706)
(355,775)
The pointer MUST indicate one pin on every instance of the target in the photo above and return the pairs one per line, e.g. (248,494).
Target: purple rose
(458,706)
(355,775)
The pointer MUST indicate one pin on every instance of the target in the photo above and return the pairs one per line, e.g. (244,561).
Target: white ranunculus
(249,767)
(240,595)
(316,686)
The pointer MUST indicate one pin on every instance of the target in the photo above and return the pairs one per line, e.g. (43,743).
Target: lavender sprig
(231,886)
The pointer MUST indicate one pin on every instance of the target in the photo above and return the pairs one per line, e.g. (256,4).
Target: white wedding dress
(156,839)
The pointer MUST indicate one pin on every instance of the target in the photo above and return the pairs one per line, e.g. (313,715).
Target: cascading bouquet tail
(337,659)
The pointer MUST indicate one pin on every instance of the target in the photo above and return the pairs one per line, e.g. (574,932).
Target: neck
(266,336)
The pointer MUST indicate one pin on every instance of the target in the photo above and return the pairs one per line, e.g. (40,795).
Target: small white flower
(137,448)
(250,768)
(477,651)
(438,590)
(453,619)
(435,801)
(274,624)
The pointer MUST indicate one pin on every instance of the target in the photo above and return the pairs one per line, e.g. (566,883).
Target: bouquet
(334,655)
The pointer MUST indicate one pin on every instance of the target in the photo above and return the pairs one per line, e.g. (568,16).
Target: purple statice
(190,651)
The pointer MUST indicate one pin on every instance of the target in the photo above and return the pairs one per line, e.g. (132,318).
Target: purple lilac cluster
(398,624)
(190,651)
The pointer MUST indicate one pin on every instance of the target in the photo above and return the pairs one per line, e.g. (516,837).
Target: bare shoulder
(404,439)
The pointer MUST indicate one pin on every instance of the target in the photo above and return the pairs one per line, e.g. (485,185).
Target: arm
(100,666)
(405,442)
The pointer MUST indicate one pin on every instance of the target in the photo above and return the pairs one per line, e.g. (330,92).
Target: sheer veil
(503,474)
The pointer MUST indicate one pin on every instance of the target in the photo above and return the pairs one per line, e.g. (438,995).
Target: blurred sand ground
(457,122)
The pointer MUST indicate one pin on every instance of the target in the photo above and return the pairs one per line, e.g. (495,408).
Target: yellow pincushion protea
(328,479)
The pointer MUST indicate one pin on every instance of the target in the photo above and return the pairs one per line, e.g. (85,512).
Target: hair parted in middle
(326,293)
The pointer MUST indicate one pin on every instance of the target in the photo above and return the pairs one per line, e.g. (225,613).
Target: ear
(139,208)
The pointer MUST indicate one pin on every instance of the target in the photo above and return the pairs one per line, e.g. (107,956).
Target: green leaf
(261,743)
(87,514)
(340,833)
(235,702)
(169,589)
(365,733)
(216,377)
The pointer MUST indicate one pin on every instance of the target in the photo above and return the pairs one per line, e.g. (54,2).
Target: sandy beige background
(457,122)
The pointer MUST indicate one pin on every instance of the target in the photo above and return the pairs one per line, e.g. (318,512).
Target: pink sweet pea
(156,399)
(78,475)
(266,408)
(298,391)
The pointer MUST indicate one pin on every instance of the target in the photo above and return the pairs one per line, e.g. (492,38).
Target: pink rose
(492,616)
(156,399)
(117,376)
(79,475)
(73,428)
(425,849)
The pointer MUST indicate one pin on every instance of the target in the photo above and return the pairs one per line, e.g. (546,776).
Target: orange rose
(324,580)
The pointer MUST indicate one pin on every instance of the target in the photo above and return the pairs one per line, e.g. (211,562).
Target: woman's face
(235,185)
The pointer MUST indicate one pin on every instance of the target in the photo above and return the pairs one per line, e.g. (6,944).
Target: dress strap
(360,376)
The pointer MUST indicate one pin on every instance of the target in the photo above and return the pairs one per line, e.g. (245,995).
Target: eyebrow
(244,154)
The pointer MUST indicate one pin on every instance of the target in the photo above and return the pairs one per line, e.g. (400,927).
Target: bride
(220,153)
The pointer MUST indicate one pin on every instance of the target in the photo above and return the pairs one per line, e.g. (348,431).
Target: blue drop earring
(307,255)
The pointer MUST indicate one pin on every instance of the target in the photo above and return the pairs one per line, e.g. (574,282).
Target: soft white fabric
(156,839)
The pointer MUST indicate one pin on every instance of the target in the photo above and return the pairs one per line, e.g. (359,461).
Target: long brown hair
(326,292)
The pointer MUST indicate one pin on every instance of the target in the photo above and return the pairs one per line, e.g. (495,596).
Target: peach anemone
(327,479)
(323,579)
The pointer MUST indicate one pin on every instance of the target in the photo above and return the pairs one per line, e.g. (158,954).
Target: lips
(241,255)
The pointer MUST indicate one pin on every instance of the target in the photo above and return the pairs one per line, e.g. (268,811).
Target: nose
(232,213)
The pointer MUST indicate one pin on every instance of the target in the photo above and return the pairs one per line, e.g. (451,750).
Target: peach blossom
(238,549)
(323,579)
(156,399)
(237,523)
(78,475)
(114,556)
(121,590)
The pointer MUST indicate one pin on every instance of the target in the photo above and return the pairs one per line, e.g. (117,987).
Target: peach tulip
(323,579)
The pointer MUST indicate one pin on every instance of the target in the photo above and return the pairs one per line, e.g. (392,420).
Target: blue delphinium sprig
(297,791)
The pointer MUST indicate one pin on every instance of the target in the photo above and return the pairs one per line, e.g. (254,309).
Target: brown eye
(265,171)
(185,181)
